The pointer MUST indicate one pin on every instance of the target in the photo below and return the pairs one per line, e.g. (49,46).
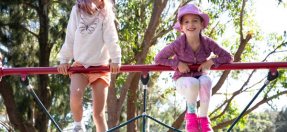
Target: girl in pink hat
(193,48)
(91,40)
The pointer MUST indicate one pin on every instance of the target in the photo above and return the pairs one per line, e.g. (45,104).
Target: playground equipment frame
(272,66)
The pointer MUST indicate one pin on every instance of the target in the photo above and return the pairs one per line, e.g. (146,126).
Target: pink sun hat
(190,9)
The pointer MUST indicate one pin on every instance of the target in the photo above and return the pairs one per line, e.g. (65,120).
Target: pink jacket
(181,51)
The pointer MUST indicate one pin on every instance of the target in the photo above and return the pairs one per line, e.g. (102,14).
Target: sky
(270,16)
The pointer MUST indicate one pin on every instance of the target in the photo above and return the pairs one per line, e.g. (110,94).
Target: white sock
(78,123)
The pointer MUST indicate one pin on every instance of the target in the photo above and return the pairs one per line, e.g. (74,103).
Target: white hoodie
(90,39)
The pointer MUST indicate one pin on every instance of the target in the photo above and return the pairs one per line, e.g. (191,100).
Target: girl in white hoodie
(91,39)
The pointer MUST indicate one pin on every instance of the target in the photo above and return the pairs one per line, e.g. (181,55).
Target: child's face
(191,24)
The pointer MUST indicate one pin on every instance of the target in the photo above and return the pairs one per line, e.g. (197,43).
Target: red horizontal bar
(139,68)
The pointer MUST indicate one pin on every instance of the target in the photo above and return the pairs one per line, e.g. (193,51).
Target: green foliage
(231,113)
(133,21)
(259,122)
(61,104)
(281,120)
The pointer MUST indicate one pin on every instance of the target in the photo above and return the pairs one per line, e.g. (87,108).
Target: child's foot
(191,122)
(205,124)
(79,129)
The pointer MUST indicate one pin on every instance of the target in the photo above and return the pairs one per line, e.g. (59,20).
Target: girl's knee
(188,82)
(76,95)
(99,117)
(205,82)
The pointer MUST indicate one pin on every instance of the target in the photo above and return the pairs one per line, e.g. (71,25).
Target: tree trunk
(44,92)
(114,104)
(178,121)
(15,118)
(131,107)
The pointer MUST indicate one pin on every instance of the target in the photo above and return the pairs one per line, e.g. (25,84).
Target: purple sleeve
(223,56)
(163,57)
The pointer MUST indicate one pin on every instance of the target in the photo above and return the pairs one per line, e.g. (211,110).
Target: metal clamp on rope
(25,81)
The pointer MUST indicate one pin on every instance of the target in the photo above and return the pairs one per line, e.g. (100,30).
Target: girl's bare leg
(100,93)
(78,85)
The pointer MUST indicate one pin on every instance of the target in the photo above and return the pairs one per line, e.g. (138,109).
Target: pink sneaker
(191,122)
(205,124)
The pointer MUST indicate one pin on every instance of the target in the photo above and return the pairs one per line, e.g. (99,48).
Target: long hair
(106,9)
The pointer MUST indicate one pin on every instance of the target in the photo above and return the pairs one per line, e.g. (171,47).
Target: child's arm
(223,56)
(66,53)
(110,38)
(163,57)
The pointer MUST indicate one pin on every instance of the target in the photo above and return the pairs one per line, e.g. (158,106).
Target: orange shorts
(105,76)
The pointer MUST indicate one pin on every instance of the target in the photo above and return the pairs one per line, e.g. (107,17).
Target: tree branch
(263,101)
(154,21)
(163,32)
(241,89)
(58,35)
(133,59)
(254,84)
(233,96)
(14,116)
(7,127)
(274,51)
(30,5)
(237,58)
(27,30)
(212,30)
(142,14)
(241,19)
(23,27)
